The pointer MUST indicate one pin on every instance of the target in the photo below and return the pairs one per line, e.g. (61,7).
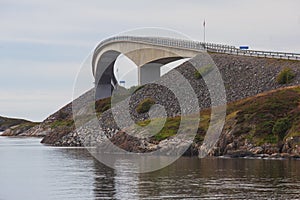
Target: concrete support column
(103,91)
(105,78)
(149,73)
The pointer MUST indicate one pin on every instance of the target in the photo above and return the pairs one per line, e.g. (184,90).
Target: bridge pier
(105,79)
(103,91)
(149,73)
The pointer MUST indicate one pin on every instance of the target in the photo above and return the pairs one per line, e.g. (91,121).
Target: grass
(270,117)
(102,105)
(6,122)
(281,127)
(25,125)
(145,105)
(62,123)
(266,118)
(285,76)
(172,124)
(16,125)
(203,71)
(170,129)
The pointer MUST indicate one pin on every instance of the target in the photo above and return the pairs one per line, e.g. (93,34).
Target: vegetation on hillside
(15,125)
(266,118)
(285,76)
(269,117)
(145,105)
(202,71)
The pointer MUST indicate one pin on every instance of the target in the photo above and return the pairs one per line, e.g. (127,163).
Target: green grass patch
(103,105)
(145,105)
(203,71)
(281,127)
(62,123)
(170,129)
(6,122)
(272,139)
(272,116)
(144,123)
(268,118)
(285,76)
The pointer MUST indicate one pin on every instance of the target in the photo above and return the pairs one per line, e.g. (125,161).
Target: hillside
(243,77)
(14,127)
(268,123)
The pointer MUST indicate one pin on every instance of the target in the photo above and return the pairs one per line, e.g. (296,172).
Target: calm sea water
(31,171)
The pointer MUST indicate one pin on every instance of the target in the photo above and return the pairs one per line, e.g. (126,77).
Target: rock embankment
(242,76)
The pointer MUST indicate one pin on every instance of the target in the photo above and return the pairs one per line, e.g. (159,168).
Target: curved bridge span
(150,53)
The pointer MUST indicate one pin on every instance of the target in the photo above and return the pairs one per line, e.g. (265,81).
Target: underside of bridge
(149,59)
(106,80)
(150,72)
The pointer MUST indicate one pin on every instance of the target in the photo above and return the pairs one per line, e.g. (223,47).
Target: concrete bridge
(150,53)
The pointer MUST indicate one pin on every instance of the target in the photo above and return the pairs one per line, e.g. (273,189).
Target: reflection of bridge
(150,53)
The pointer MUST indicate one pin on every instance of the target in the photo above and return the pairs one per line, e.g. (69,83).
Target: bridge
(151,53)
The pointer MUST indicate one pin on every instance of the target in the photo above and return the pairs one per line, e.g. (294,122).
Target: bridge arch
(149,54)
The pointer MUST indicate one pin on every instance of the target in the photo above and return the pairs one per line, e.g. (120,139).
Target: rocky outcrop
(233,146)
(250,128)
(14,127)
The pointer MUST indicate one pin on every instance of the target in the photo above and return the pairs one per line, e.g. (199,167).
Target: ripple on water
(29,170)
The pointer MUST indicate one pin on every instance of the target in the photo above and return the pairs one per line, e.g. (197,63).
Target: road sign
(244,47)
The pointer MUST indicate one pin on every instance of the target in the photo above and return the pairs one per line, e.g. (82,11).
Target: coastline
(263,116)
(235,155)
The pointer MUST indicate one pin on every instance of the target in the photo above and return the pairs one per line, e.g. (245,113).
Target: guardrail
(255,53)
(198,46)
(160,41)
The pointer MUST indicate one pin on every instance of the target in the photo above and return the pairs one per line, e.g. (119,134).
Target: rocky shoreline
(244,77)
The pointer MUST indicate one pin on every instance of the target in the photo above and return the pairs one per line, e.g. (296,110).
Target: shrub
(280,127)
(145,105)
(202,71)
(197,75)
(102,105)
(62,114)
(170,129)
(285,76)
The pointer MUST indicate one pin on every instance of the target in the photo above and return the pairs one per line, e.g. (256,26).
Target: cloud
(32,104)
(74,22)
(43,43)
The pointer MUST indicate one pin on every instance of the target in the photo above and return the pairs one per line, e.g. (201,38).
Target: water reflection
(224,179)
(29,170)
(104,184)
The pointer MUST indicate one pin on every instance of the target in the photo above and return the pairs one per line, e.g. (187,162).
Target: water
(31,171)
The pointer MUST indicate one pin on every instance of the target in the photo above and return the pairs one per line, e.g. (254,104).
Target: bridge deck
(198,46)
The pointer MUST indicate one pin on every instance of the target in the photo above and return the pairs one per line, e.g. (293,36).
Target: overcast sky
(43,43)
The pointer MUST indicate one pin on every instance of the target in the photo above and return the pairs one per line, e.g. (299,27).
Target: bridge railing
(266,54)
(199,46)
(161,41)
(256,53)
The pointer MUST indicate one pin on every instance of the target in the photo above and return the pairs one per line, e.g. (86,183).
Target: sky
(44,43)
